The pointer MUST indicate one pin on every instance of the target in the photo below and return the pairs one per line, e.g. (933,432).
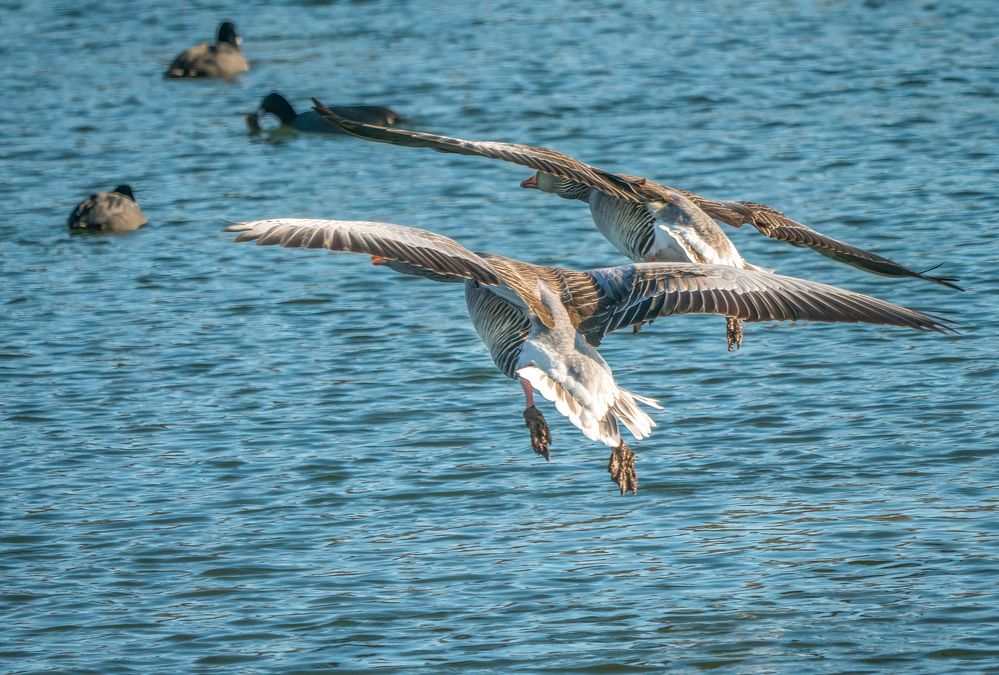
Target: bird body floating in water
(223,59)
(312,122)
(114,211)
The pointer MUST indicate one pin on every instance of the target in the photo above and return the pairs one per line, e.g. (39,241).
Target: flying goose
(311,121)
(114,211)
(222,59)
(542,325)
(644,220)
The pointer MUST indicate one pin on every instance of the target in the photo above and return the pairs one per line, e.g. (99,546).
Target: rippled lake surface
(217,456)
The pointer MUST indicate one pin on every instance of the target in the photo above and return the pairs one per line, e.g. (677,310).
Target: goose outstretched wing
(427,251)
(537,158)
(773,224)
(630,294)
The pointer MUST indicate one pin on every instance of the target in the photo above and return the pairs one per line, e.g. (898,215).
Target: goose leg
(734,332)
(541,439)
(622,469)
(636,328)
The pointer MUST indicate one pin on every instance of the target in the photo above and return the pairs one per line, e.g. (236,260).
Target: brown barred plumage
(640,191)
(543,324)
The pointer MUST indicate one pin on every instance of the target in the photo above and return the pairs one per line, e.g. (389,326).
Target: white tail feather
(599,424)
(570,373)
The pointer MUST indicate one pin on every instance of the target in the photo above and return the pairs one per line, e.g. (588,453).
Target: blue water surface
(222,457)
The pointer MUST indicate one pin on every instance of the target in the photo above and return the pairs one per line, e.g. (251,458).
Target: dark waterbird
(311,121)
(114,211)
(542,325)
(645,220)
(221,60)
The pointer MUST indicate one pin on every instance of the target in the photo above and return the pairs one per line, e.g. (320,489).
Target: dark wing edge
(533,157)
(775,225)
(81,212)
(422,249)
(632,294)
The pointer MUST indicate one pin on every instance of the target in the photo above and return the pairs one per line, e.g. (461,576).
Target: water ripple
(222,457)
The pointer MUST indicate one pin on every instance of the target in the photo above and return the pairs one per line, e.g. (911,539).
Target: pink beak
(378,260)
(531,182)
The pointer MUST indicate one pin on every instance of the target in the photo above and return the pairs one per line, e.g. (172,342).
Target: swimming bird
(114,211)
(542,325)
(644,220)
(311,121)
(222,59)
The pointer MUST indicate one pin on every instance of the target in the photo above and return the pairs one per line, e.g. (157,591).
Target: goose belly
(679,243)
(684,233)
(670,246)
(627,225)
(502,326)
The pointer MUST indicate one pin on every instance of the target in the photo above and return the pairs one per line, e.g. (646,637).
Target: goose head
(563,187)
(227,33)
(125,190)
(278,105)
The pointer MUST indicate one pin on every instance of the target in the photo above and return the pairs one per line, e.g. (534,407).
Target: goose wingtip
(321,108)
(235,226)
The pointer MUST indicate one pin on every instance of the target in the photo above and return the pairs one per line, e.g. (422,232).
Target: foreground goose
(222,59)
(542,324)
(114,211)
(644,220)
(311,121)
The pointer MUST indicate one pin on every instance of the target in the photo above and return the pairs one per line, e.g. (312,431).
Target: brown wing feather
(768,221)
(425,250)
(630,294)
(774,224)
(537,158)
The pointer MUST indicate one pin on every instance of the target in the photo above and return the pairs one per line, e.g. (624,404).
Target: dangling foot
(541,440)
(637,327)
(734,332)
(622,469)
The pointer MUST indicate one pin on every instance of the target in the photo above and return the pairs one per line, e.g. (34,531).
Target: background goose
(222,59)
(644,220)
(111,211)
(311,121)
(542,325)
